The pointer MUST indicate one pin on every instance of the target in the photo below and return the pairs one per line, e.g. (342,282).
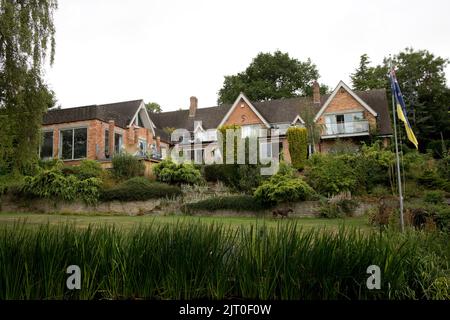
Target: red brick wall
(243,115)
(96,137)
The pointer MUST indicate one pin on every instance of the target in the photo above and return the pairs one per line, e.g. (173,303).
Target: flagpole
(400,192)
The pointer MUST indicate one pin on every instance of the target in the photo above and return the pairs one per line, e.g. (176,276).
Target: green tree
(26,39)
(421,76)
(153,107)
(271,76)
(366,77)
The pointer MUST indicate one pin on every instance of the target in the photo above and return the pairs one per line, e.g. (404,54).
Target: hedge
(298,146)
(139,189)
(238,203)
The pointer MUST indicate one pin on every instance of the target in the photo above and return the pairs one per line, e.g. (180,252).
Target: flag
(401,109)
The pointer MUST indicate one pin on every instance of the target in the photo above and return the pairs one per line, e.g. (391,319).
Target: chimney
(316,92)
(193,106)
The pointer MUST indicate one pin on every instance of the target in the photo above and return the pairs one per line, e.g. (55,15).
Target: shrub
(126,166)
(285,169)
(53,184)
(330,175)
(298,144)
(281,188)
(338,206)
(238,203)
(434,197)
(170,172)
(238,177)
(139,189)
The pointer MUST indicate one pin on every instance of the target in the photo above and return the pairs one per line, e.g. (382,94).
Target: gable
(243,115)
(242,112)
(343,99)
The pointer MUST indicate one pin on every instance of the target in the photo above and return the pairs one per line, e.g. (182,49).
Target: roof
(274,111)
(121,112)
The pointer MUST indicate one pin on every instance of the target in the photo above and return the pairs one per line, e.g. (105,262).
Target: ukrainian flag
(401,109)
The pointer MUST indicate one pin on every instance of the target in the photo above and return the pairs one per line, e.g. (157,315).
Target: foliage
(282,188)
(126,166)
(271,76)
(421,77)
(27,34)
(86,169)
(285,169)
(153,107)
(240,178)
(330,175)
(434,197)
(170,172)
(219,262)
(237,203)
(338,206)
(53,184)
(139,189)
(298,144)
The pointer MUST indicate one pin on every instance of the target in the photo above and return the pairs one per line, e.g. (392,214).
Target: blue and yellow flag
(401,109)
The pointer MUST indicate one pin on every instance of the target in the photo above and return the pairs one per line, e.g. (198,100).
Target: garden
(176,252)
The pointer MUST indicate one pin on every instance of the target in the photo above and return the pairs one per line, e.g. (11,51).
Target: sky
(166,51)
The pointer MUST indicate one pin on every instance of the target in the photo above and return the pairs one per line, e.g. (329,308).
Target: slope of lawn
(128,222)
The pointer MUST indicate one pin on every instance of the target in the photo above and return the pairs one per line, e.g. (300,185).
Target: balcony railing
(346,128)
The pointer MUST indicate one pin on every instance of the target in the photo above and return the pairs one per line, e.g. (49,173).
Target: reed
(195,261)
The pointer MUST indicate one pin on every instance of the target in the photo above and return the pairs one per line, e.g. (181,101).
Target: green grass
(128,222)
(188,259)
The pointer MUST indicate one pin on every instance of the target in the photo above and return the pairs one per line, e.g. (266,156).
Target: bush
(434,197)
(126,166)
(238,203)
(54,184)
(139,189)
(298,144)
(170,172)
(281,188)
(330,175)
(338,206)
(285,169)
(238,177)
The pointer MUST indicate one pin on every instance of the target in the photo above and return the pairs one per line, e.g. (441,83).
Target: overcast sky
(166,51)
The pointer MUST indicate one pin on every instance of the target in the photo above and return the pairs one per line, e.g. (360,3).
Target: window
(73,143)
(250,131)
(106,143)
(265,150)
(117,142)
(163,152)
(142,145)
(198,155)
(46,151)
(346,123)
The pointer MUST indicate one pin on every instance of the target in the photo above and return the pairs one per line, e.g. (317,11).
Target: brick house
(99,131)
(347,115)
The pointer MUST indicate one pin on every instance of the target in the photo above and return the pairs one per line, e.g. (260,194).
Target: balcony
(346,129)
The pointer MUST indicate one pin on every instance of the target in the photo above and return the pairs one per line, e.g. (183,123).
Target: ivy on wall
(298,144)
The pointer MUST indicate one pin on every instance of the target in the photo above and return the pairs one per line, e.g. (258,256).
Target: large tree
(153,107)
(271,76)
(26,41)
(421,76)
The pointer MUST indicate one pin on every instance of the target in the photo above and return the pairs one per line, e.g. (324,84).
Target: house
(99,131)
(347,115)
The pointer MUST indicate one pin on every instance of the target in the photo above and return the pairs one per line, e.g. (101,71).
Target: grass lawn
(128,222)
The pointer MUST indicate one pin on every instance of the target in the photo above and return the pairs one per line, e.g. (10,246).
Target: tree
(26,39)
(422,80)
(366,77)
(270,76)
(153,107)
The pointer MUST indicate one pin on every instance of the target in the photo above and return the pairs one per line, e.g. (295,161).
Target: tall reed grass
(190,261)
